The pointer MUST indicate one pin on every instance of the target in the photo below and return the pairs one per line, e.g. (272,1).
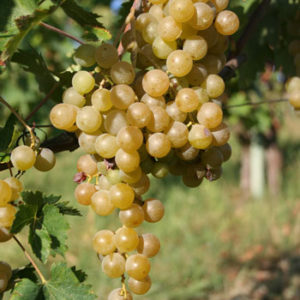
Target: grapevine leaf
(7,132)
(40,242)
(33,62)
(26,290)
(4,157)
(67,210)
(123,12)
(24,272)
(93,29)
(64,285)
(80,275)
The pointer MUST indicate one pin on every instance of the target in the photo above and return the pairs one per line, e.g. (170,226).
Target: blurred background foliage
(231,239)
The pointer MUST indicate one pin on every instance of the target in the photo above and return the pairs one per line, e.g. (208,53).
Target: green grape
(106,55)
(142,186)
(16,187)
(137,266)
(203,16)
(157,12)
(202,95)
(132,216)
(162,48)
(101,100)
(126,239)
(160,119)
(150,31)
(22,157)
(45,160)
(115,120)
(187,100)
(88,119)
(5,235)
(103,242)
(84,192)
(212,157)
(158,145)
(122,195)
(130,138)
(87,165)
(187,152)
(181,10)
(149,245)
(226,151)
(139,287)
(160,170)
(179,63)
(177,134)
(196,46)
(210,115)
(101,203)
(83,82)
(122,96)
(103,183)
(5,193)
(113,265)
(149,100)
(197,75)
(113,176)
(85,55)
(200,137)
(127,161)
(221,135)
(214,85)
(122,73)
(156,83)
(169,30)
(139,115)
(131,177)
(117,294)
(63,116)
(71,96)
(143,20)
(87,141)
(154,210)
(227,22)
(7,215)
(174,112)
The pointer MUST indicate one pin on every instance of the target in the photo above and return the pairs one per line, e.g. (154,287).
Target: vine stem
(256,103)
(32,136)
(55,29)
(43,101)
(31,260)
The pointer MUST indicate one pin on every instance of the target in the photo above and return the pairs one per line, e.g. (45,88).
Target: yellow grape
(220,4)
(187,30)
(117,294)
(203,16)
(132,216)
(156,11)
(221,135)
(187,100)
(85,55)
(210,115)
(131,177)
(227,22)
(214,85)
(149,245)
(103,242)
(106,55)
(179,63)
(114,121)
(143,20)
(127,161)
(63,116)
(122,95)
(139,287)
(87,165)
(7,215)
(196,46)
(158,1)
(113,265)
(23,157)
(16,187)
(177,134)
(45,160)
(137,266)
(149,100)
(84,192)
(210,35)
(202,94)
(130,138)
(142,186)
(83,82)
(87,141)
(5,193)
(150,32)
(187,152)
(156,83)
(181,10)
(159,120)
(174,112)
(138,114)
(5,235)
(88,119)
(162,48)
(197,75)
(122,72)
(106,145)
(101,203)
(200,137)
(104,183)
(158,145)
(126,239)
(101,100)
(71,96)
(169,30)
(122,195)
(154,210)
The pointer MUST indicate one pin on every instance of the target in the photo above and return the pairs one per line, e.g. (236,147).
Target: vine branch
(55,29)
(43,280)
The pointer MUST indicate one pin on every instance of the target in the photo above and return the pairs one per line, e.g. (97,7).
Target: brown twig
(255,103)
(43,280)
(231,66)
(43,101)
(55,29)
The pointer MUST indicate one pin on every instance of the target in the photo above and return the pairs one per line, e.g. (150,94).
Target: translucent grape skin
(85,55)
(71,96)
(177,134)
(149,245)
(227,22)
(168,29)
(87,164)
(6,193)
(103,242)
(179,63)
(132,217)
(16,187)
(214,85)
(114,121)
(122,73)
(83,82)
(45,160)
(162,48)
(159,120)
(142,186)
(210,115)
(7,215)
(181,10)
(23,157)
(122,195)
(122,95)
(139,114)
(88,119)
(101,203)
(106,55)
(221,135)
(113,265)
(84,192)
(156,83)
(63,116)
(127,161)
(200,137)
(101,100)
(187,100)
(158,145)
(5,275)
(154,210)
(87,141)
(106,145)
(130,138)
(139,287)
(5,235)
(203,16)
(126,239)
(137,266)
(116,294)
(196,46)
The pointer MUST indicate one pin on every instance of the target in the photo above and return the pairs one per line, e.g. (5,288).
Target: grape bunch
(5,275)
(293,92)
(157,115)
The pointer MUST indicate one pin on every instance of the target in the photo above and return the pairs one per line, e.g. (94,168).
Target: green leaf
(6,133)
(123,12)
(81,276)
(24,272)
(93,29)
(67,210)
(25,290)
(64,285)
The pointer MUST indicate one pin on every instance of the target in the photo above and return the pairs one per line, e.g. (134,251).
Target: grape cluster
(293,91)
(156,115)
(5,275)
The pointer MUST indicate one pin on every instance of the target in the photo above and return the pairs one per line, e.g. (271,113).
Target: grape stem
(43,101)
(20,119)
(55,29)
(43,280)
(231,66)
(255,103)
(123,291)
